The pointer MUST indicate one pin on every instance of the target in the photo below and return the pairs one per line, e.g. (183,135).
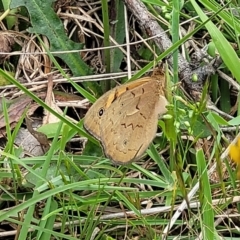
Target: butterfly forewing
(130,123)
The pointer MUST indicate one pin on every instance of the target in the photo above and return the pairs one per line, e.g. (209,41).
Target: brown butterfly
(125,118)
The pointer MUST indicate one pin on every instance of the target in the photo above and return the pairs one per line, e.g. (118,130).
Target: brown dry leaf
(29,143)
(16,109)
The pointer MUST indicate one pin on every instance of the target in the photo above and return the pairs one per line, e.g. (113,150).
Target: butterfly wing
(130,123)
(93,118)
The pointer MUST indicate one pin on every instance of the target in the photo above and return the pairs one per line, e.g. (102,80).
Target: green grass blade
(207,212)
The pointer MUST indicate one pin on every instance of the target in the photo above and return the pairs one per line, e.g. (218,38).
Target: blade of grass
(214,87)
(208,228)
(162,166)
(50,206)
(118,33)
(106,41)
(175,37)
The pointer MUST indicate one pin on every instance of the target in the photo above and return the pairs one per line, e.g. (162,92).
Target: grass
(185,185)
